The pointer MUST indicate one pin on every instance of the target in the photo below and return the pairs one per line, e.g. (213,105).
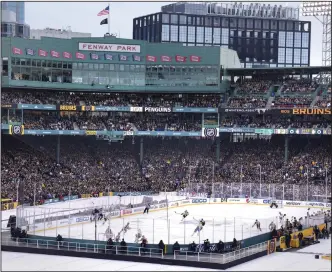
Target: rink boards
(177,201)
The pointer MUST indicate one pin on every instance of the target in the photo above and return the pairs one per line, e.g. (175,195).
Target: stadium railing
(220,258)
(85,247)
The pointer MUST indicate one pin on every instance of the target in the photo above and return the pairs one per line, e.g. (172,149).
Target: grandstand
(130,121)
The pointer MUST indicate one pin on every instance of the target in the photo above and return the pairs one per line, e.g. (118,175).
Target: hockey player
(126,228)
(138,235)
(117,238)
(107,218)
(281,218)
(273,204)
(272,226)
(147,208)
(184,214)
(100,214)
(108,233)
(201,224)
(257,224)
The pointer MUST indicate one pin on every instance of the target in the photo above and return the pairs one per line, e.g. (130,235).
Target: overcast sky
(82,17)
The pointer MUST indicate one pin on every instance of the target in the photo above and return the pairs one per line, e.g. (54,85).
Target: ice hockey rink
(302,260)
(223,222)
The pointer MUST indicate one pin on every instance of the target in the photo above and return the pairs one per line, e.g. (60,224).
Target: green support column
(286,147)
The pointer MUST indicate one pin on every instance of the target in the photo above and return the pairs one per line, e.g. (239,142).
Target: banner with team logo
(16,129)
(210,132)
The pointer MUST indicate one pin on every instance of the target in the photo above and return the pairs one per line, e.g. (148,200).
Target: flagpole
(109,19)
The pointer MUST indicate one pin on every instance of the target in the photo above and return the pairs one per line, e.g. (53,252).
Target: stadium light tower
(323,10)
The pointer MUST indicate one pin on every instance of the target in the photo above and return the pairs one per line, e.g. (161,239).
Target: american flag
(105,11)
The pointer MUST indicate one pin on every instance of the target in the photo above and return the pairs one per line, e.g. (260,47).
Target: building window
(250,23)
(224,22)
(216,21)
(165,33)
(191,20)
(282,38)
(183,19)
(290,25)
(304,56)
(191,34)
(200,21)
(208,21)
(281,55)
(241,23)
(183,34)
(305,40)
(174,19)
(282,25)
(224,35)
(233,22)
(200,35)
(289,55)
(289,39)
(174,33)
(297,39)
(258,24)
(216,36)
(274,24)
(165,18)
(208,35)
(266,24)
(297,55)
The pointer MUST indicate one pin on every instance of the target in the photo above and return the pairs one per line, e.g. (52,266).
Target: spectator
(123,247)
(176,247)
(220,247)
(300,237)
(161,246)
(234,244)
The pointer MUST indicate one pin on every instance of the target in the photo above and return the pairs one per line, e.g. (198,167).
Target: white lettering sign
(107,47)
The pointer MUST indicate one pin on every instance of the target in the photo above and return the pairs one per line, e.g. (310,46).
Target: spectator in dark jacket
(192,247)
(176,246)
(234,244)
(220,247)
(162,246)
(300,236)
(123,248)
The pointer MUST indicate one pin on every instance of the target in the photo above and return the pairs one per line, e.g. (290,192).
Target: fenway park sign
(109,47)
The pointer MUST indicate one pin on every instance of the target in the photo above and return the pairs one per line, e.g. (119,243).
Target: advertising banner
(157,109)
(199,110)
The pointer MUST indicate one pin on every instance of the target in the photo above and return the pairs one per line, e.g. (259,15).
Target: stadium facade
(262,35)
(112,64)
(13,20)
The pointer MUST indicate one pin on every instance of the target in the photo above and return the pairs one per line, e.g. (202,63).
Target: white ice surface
(222,222)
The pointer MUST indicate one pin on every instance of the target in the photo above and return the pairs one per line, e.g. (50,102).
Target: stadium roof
(313,70)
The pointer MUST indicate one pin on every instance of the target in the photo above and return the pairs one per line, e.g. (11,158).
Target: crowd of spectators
(324,102)
(47,120)
(115,121)
(163,122)
(292,101)
(247,102)
(254,86)
(89,166)
(110,99)
(299,86)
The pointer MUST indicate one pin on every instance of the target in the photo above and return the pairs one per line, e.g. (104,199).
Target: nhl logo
(17,130)
(210,132)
